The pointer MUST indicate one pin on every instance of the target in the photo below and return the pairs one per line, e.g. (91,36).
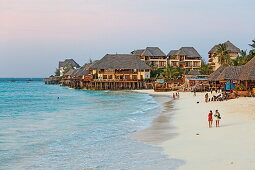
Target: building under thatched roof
(213,76)
(230,73)
(230,47)
(120,61)
(248,71)
(189,52)
(194,72)
(69,62)
(153,52)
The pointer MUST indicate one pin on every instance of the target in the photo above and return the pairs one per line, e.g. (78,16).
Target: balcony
(126,72)
(116,80)
(211,64)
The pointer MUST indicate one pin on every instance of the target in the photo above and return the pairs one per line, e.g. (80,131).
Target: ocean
(53,127)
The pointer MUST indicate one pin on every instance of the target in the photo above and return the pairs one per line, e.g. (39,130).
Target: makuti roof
(84,71)
(248,71)
(172,53)
(120,61)
(153,52)
(68,62)
(69,72)
(230,73)
(138,52)
(230,47)
(213,76)
(194,72)
(190,52)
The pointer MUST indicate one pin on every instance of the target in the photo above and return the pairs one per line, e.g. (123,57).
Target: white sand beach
(231,146)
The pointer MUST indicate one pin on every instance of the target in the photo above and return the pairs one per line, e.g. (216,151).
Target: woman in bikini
(210,118)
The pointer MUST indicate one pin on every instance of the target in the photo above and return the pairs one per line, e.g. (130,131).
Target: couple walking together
(216,116)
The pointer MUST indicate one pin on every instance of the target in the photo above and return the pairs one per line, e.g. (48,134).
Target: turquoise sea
(53,127)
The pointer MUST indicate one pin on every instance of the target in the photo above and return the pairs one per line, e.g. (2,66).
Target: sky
(36,34)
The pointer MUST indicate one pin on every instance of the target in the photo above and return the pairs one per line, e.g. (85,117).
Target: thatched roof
(68,62)
(74,72)
(194,72)
(84,71)
(120,61)
(153,52)
(138,52)
(190,52)
(172,53)
(69,72)
(230,47)
(230,73)
(213,76)
(248,71)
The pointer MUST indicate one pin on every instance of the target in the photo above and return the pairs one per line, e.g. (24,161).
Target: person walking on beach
(210,118)
(173,96)
(206,97)
(217,118)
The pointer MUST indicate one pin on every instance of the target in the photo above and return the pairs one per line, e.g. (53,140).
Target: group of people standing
(219,97)
(217,118)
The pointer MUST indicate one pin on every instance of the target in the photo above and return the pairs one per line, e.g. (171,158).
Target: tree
(244,57)
(252,51)
(90,61)
(171,72)
(223,55)
(57,72)
(253,44)
(240,60)
(156,73)
(205,68)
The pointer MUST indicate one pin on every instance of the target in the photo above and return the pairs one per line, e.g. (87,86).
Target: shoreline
(160,128)
(231,146)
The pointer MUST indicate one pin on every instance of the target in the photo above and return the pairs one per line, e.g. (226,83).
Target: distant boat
(29,80)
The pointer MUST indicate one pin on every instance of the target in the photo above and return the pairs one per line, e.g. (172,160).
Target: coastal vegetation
(224,56)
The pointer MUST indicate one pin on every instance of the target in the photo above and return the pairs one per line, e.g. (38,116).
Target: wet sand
(161,129)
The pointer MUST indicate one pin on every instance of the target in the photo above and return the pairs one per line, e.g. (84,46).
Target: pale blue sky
(36,34)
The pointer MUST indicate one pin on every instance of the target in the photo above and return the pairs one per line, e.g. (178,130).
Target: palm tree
(172,72)
(253,44)
(57,72)
(240,60)
(205,68)
(223,55)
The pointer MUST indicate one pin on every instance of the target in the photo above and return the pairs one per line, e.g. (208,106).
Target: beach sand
(231,146)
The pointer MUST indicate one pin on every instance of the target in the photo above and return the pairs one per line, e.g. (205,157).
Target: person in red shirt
(210,118)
